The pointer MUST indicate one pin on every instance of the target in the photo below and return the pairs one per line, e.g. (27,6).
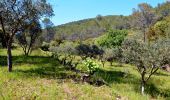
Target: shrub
(45,46)
(113,38)
(92,65)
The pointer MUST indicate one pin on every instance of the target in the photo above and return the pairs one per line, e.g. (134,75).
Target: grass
(40,77)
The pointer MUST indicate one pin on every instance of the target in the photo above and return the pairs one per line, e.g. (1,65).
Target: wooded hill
(92,27)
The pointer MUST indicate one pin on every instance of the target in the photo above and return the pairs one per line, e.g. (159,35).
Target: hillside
(93,27)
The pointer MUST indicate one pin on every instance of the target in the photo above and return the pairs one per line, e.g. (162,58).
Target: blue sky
(73,10)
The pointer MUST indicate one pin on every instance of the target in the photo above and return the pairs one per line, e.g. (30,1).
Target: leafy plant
(92,65)
(113,38)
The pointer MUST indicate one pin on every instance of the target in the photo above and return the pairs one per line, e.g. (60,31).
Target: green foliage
(161,27)
(147,58)
(45,46)
(113,38)
(85,51)
(67,48)
(159,30)
(155,54)
(163,9)
(65,54)
(110,55)
(92,65)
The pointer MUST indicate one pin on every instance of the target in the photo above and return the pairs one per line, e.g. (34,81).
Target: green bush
(45,46)
(92,65)
(113,38)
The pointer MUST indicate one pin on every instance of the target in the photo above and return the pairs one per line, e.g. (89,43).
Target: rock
(121,98)
(85,77)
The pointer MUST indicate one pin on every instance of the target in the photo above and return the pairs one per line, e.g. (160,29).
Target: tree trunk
(144,38)
(9,57)
(111,63)
(103,63)
(26,53)
(144,35)
(29,49)
(142,87)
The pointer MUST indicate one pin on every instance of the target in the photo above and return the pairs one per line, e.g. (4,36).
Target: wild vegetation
(107,57)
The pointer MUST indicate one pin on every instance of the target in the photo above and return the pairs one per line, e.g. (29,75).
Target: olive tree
(110,55)
(14,14)
(65,54)
(147,58)
(106,56)
(92,51)
(29,36)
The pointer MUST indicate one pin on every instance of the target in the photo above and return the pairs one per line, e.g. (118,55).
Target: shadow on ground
(152,89)
(127,78)
(47,67)
(42,66)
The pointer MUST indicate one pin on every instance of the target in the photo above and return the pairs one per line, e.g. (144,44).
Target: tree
(91,51)
(66,54)
(113,38)
(106,56)
(13,15)
(59,38)
(110,55)
(102,22)
(163,9)
(29,36)
(143,18)
(49,31)
(122,23)
(147,58)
